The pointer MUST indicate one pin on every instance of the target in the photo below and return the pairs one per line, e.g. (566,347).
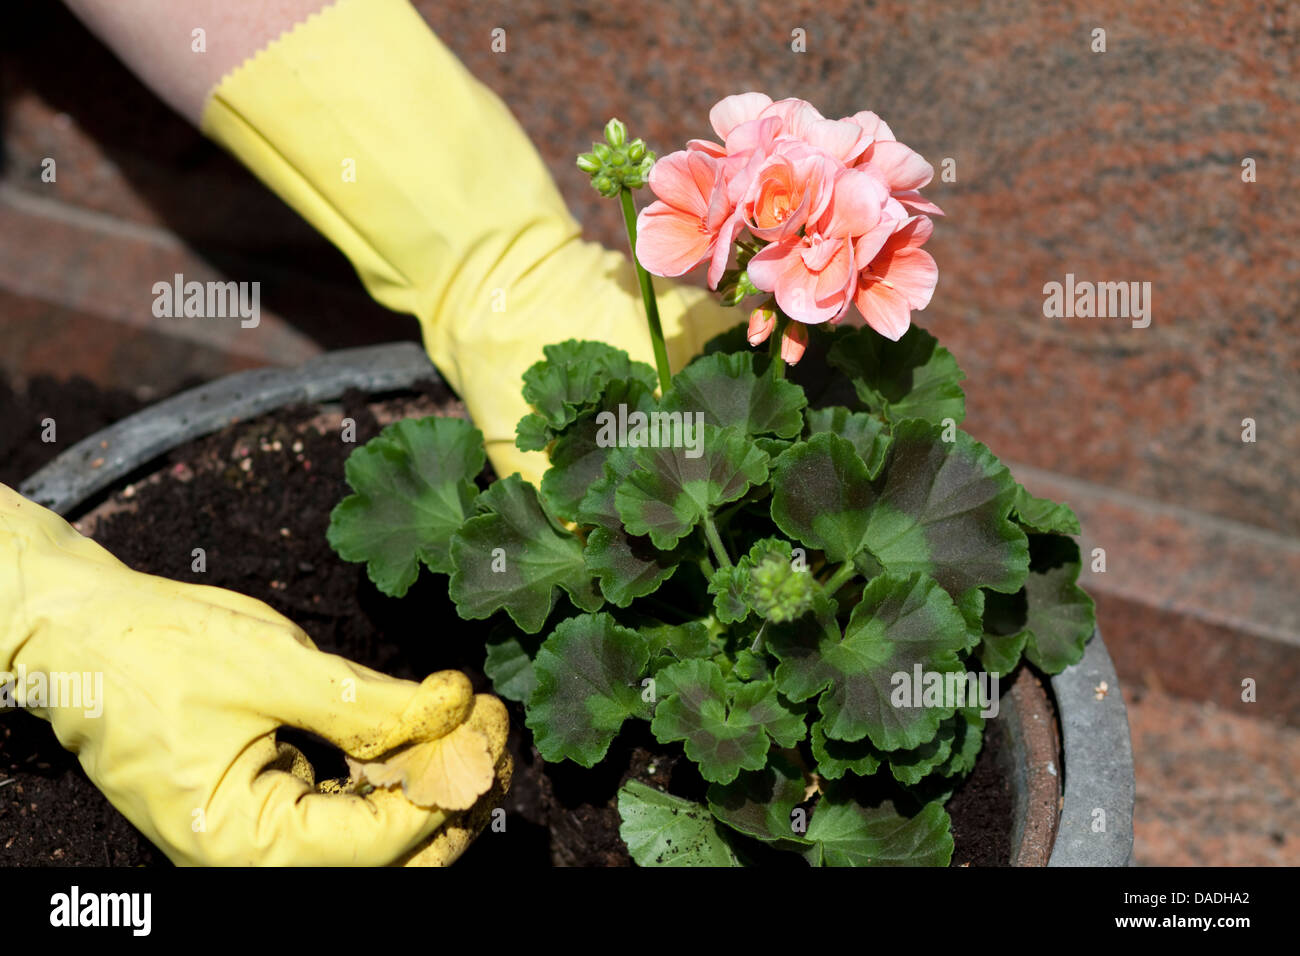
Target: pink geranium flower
(685,225)
(899,276)
(902,168)
(834,204)
(813,274)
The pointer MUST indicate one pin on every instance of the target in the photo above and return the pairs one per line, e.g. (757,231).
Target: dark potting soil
(259,505)
(78,408)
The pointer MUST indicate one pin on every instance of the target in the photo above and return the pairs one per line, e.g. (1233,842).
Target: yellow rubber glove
(179,691)
(367,125)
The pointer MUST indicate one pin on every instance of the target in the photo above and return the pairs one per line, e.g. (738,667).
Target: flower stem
(715,543)
(647,294)
(774,348)
(841,575)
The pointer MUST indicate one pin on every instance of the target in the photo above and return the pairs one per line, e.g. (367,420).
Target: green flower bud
(636,150)
(603,152)
(615,132)
(603,184)
(778,592)
(633,180)
(589,163)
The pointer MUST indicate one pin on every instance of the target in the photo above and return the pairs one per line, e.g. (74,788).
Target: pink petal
(722,248)
(872,125)
(796,293)
(720,208)
(894,209)
(766,266)
(837,138)
(884,309)
(754,135)
(916,231)
(903,168)
(856,203)
(669,242)
(731,111)
(913,274)
(869,244)
(685,180)
(796,115)
(837,280)
(707,146)
(816,255)
(913,202)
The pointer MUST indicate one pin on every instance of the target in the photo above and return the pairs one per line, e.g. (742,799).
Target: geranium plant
(792,561)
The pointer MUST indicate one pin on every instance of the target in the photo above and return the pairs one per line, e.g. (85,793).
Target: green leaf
(723,733)
(725,388)
(509,665)
(952,750)
(1050,619)
(912,766)
(968,736)
(1043,515)
(761,803)
(1060,617)
(589,675)
(864,432)
(942,509)
(627,567)
(662,830)
(668,493)
(772,447)
(414,485)
(749,666)
(835,758)
(821,496)
(901,622)
(1000,653)
(849,833)
(573,375)
(683,641)
(914,377)
(514,557)
(533,433)
(728,589)
(579,455)
(597,507)
(971,605)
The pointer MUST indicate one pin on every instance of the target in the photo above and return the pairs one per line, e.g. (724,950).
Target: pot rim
(1096,750)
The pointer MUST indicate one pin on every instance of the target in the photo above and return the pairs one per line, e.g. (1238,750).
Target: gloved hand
(195,682)
(367,125)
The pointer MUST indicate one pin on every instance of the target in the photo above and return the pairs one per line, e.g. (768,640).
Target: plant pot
(1091,755)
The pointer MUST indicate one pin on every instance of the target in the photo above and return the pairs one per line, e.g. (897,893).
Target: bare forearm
(157,39)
